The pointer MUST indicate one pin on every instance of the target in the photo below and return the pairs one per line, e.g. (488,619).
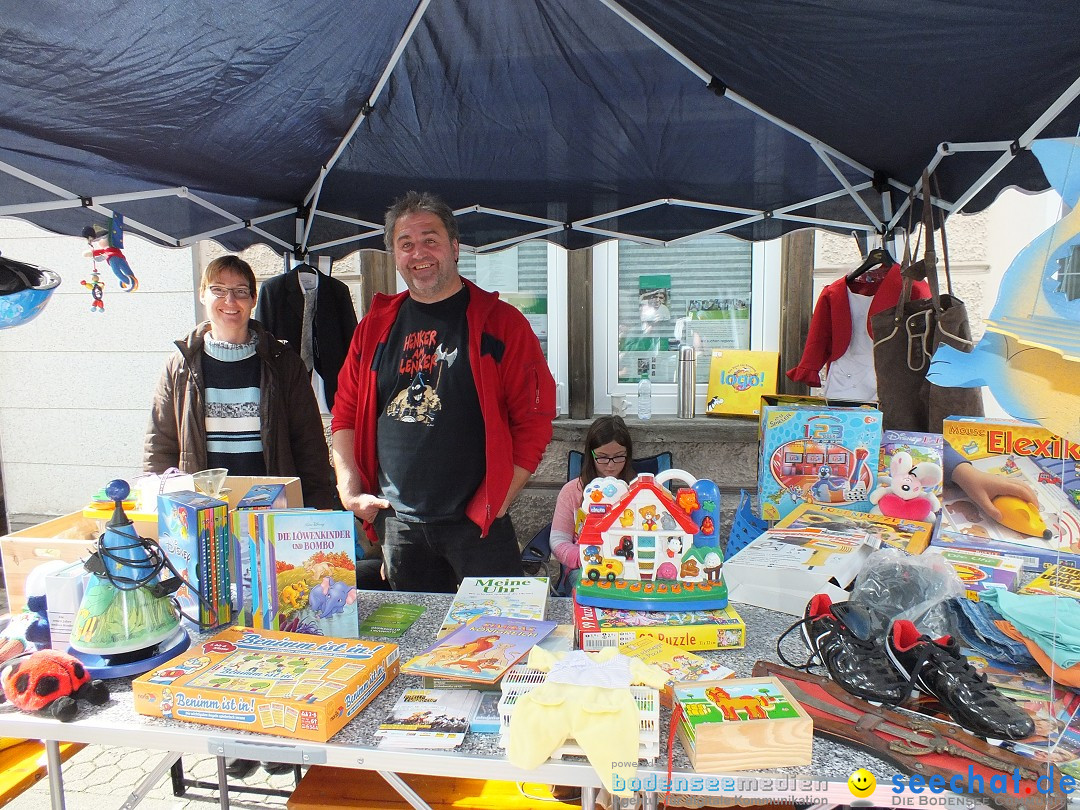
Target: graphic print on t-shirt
(420,401)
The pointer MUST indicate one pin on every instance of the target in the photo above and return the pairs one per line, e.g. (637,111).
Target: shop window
(532,277)
(714,292)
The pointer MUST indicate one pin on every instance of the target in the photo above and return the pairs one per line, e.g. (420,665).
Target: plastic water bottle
(644,398)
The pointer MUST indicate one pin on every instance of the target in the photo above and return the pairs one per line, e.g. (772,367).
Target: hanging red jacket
(830,325)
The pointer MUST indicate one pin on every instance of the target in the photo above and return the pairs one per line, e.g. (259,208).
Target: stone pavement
(100,778)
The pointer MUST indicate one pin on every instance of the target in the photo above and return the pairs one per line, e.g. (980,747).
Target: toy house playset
(645,548)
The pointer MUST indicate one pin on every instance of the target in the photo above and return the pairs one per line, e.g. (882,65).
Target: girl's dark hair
(603,430)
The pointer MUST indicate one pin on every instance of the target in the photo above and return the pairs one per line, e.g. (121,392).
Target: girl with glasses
(608,450)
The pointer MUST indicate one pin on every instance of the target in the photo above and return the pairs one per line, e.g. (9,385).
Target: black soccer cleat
(938,668)
(849,641)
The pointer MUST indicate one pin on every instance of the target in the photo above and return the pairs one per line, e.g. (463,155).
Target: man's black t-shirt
(430,430)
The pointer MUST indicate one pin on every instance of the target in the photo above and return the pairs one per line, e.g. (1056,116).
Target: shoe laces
(812,659)
(938,657)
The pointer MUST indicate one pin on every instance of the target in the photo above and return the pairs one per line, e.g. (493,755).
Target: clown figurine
(97,291)
(105,246)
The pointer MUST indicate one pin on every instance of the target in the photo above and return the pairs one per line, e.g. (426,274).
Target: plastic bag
(900,586)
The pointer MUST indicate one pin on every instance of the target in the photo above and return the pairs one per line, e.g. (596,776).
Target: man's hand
(521,477)
(365,506)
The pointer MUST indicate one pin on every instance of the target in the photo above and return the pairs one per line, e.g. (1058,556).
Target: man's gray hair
(415,202)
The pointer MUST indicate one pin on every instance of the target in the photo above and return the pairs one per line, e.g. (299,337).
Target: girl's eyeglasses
(608,459)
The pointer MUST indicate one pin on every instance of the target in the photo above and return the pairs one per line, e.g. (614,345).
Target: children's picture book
(1057,580)
(428,718)
(391,620)
(307,573)
(193,532)
(512,597)
(982,570)
(912,536)
(681,665)
(481,650)
(714,629)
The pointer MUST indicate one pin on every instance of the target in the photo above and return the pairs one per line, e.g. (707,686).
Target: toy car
(607,567)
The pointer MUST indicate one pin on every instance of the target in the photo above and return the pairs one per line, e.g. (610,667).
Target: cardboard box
(738,379)
(328,788)
(784,568)
(64,592)
(814,451)
(742,723)
(70,538)
(982,570)
(1029,454)
(598,628)
(287,684)
(239,486)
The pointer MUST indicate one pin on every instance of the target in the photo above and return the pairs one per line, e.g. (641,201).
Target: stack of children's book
(302,576)
(428,718)
(193,532)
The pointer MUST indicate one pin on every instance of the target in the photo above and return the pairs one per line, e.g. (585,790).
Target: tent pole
(1023,142)
(859,201)
(709,79)
(312,198)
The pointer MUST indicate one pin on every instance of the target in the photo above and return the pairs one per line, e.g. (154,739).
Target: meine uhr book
(513,597)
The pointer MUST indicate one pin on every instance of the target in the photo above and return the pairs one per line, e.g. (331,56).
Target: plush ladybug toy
(52,680)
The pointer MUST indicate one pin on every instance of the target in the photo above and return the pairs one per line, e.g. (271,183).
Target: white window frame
(764,326)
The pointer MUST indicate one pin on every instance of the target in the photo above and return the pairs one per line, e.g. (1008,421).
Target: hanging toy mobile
(107,246)
(97,291)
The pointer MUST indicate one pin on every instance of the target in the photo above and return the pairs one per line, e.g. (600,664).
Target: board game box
(912,536)
(1057,580)
(598,628)
(981,570)
(812,452)
(920,446)
(288,684)
(738,378)
(1027,454)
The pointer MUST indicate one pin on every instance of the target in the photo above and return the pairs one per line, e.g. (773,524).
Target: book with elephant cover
(481,650)
(306,575)
(513,597)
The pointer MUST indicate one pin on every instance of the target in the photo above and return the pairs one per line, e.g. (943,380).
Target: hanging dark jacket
(280,309)
(293,440)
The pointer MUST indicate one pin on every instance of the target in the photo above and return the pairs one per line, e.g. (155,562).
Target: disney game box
(289,684)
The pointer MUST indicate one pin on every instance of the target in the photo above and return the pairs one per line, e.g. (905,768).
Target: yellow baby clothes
(587,697)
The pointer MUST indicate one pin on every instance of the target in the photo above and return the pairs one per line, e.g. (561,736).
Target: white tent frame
(306,215)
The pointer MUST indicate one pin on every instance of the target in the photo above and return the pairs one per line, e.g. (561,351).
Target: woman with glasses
(608,450)
(236,397)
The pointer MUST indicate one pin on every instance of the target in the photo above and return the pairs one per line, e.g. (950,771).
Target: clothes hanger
(878,257)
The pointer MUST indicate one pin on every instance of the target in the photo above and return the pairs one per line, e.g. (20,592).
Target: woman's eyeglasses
(239,293)
(608,459)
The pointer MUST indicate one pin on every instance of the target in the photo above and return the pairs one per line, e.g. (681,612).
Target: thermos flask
(686,380)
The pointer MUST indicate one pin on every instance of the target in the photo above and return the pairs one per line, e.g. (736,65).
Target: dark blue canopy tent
(296,124)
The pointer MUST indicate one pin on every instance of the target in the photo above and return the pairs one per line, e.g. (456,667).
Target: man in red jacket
(443,411)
